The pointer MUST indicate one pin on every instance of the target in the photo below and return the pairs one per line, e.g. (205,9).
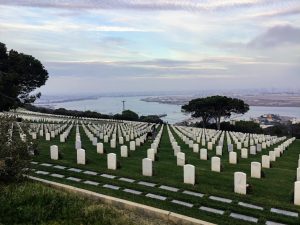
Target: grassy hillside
(34,203)
(275,189)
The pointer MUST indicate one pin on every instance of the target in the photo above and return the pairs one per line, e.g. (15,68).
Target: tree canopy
(130,115)
(20,74)
(215,107)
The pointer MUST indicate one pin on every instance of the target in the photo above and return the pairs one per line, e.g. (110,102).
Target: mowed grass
(33,203)
(274,190)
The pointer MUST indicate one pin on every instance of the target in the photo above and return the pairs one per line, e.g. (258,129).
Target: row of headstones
(216,161)
(240,179)
(203,151)
(40,117)
(198,134)
(120,137)
(244,151)
(180,156)
(105,134)
(266,159)
(261,142)
(132,144)
(81,159)
(65,134)
(147,163)
(204,137)
(210,144)
(49,133)
(242,137)
(297,185)
(132,131)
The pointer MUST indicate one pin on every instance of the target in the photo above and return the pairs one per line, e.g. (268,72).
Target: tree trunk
(204,122)
(218,125)
(218,122)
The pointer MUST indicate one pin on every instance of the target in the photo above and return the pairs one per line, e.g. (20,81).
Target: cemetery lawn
(275,190)
(33,203)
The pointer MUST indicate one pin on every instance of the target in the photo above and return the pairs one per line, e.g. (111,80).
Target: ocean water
(108,105)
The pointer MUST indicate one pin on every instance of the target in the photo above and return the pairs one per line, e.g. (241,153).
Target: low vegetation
(33,203)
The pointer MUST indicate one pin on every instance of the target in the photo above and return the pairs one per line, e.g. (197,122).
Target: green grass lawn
(33,203)
(274,190)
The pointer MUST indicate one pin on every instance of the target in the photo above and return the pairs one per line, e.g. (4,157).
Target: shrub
(14,152)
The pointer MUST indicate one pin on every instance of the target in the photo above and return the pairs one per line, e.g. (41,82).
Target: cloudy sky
(100,46)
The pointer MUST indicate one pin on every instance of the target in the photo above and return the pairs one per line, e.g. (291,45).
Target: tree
(216,107)
(224,107)
(130,115)
(20,74)
(200,108)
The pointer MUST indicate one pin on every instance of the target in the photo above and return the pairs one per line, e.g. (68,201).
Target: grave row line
(183,203)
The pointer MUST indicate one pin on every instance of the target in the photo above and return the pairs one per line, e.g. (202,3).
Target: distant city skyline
(142,45)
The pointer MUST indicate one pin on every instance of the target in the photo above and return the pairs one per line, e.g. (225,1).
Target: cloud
(277,12)
(62,27)
(277,36)
(187,5)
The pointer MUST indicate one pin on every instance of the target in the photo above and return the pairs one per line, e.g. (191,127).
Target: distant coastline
(254,100)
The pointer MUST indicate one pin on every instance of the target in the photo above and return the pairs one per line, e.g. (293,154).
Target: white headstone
(256,170)
(105,139)
(219,150)
(62,138)
(196,148)
(297,193)
(258,147)
(209,145)
(78,145)
(277,152)
(203,153)
(232,157)
(154,146)
(265,161)
(124,151)
(240,183)
(81,156)
(113,143)
(189,174)
(95,140)
(244,153)
(252,150)
(230,147)
(121,140)
(147,167)
(54,152)
(272,156)
(132,146)
(111,161)
(137,142)
(47,137)
(216,164)
(100,148)
(180,159)
(151,154)
(298,174)
(176,150)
